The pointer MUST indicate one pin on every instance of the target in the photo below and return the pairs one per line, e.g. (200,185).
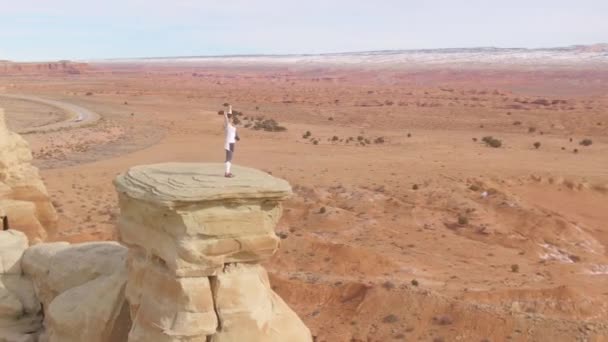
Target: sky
(39,30)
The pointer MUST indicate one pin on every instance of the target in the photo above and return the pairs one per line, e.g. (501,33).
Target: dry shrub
(268,125)
(492,142)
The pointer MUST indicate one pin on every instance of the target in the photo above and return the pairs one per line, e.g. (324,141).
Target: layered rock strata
(23,196)
(195,240)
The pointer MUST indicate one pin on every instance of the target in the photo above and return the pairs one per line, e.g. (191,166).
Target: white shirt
(230,136)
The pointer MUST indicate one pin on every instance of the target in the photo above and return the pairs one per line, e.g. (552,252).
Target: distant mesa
(586,56)
(603,47)
(62,67)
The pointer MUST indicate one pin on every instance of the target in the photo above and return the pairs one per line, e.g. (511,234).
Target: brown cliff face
(42,68)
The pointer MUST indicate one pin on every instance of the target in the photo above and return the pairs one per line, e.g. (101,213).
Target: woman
(230,122)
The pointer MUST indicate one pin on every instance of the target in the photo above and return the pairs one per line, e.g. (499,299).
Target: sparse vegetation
(531,129)
(537,145)
(379,140)
(322,210)
(268,125)
(388,285)
(516,123)
(515,268)
(443,320)
(474,187)
(463,220)
(491,141)
(390,319)
(414,282)
(586,142)
(415,187)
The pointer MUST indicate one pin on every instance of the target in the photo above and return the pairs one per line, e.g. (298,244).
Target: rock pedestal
(195,240)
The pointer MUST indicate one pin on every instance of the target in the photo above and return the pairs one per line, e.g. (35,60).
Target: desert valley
(439,195)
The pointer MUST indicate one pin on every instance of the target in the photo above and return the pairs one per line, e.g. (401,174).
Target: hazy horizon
(32,30)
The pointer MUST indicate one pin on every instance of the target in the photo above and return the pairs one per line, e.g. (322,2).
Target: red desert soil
(404,224)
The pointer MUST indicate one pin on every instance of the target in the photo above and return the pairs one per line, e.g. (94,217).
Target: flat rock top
(172,184)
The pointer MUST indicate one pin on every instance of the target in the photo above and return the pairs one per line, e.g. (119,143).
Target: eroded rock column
(195,240)
(23,196)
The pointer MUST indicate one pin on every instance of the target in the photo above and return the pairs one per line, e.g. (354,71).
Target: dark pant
(229,153)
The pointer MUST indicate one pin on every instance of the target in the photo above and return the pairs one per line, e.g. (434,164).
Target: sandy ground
(404,224)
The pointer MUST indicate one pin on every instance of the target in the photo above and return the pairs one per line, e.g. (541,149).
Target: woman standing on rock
(230,122)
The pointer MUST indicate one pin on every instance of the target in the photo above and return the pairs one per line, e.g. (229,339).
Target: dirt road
(78,116)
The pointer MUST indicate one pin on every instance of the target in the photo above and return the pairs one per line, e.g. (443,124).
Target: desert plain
(432,202)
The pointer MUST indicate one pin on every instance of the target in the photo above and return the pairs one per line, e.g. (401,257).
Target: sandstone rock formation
(81,288)
(23,196)
(191,271)
(20,318)
(194,240)
(248,309)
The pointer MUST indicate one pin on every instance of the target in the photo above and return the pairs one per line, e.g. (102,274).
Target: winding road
(78,116)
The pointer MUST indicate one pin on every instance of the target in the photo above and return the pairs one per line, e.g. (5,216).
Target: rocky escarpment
(195,242)
(42,68)
(23,196)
